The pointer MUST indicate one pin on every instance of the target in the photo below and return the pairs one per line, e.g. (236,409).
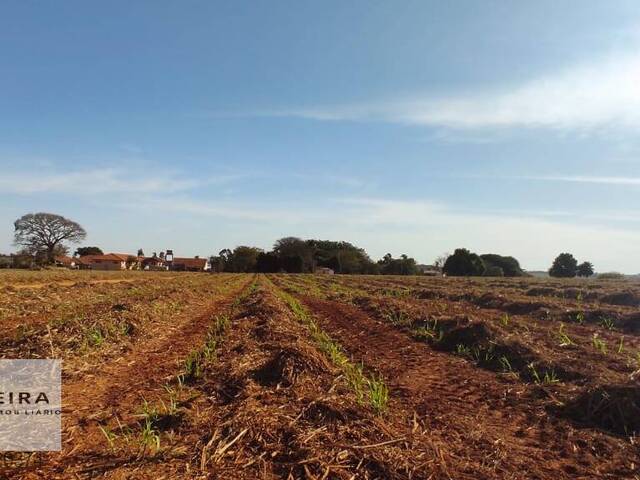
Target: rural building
(195,264)
(152,263)
(109,261)
(65,261)
(324,271)
(429,270)
(123,261)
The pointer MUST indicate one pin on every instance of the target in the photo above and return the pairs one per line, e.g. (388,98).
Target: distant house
(123,261)
(429,270)
(65,261)
(195,264)
(324,271)
(109,261)
(153,263)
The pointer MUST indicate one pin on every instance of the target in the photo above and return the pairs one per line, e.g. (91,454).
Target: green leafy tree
(463,263)
(267,263)
(509,265)
(585,269)
(45,232)
(493,271)
(225,258)
(291,264)
(397,266)
(342,257)
(564,266)
(82,251)
(289,248)
(244,259)
(217,265)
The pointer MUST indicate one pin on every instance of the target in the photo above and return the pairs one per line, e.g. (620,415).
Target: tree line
(295,255)
(42,236)
(466,263)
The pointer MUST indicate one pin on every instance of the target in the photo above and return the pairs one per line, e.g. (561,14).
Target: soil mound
(285,366)
(542,292)
(479,343)
(628,299)
(630,323)
(614,408)
(523,308)
(472,334)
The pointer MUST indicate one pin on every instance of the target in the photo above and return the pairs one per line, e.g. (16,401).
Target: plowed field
(178,375)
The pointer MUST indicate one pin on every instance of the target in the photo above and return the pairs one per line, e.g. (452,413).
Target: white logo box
(30,405)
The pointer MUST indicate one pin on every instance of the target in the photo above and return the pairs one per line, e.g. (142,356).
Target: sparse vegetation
(206,365)
(377,391)
(563,338)
(548,377)
(607,323)
(599,344)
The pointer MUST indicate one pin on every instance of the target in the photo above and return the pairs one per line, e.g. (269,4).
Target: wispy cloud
(254,212)
(635,181)
(138,180)
(326,179)
(419,227)
(104,180)
(602,93)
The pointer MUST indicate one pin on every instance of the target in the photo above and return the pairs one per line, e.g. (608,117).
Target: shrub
(610,276)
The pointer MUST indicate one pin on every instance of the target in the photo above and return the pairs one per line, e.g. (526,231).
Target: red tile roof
(154,260)
(190,262)
(121,256)
(109,257)
(65,260)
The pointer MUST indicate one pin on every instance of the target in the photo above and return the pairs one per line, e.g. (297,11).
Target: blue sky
(403,127)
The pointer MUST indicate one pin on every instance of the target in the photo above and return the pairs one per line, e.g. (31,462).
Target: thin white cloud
(418,227)
(211,208)
(332,180)
(103,181)
(603,93)
(423,229)
(634,181)
(137,180)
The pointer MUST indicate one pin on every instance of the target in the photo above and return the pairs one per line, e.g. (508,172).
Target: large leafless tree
(441,260)
(46,232)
